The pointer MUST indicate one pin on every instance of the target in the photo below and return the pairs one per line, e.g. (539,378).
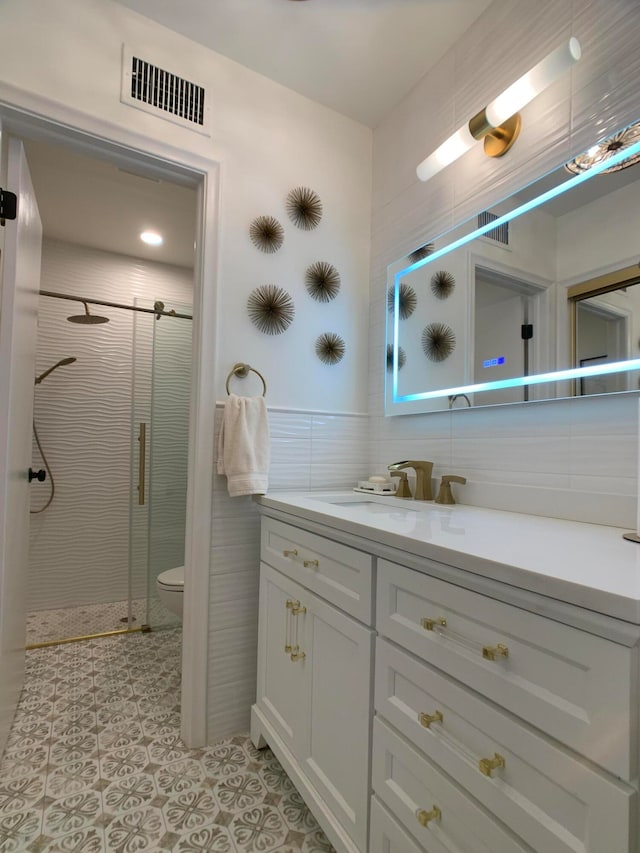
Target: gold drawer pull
(292,553)
(310,564)
(493,652)
(287,642)
(426,719)
(298,608)
(486,765)
(425,817)
(430,624)
(296,654)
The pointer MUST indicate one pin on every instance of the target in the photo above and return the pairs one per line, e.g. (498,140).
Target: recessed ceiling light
(152,238)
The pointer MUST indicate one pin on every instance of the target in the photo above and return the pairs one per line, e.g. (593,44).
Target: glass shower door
(168,452)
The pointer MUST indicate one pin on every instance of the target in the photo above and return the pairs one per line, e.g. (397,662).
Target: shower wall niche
(91,550)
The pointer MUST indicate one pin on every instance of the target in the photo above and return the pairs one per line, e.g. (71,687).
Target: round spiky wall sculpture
(330,348)
(271,309)
(266,234)
(322,281)
(442,284)
(402,358)
(421,253)
(438,341)
(407,300)
(304,208)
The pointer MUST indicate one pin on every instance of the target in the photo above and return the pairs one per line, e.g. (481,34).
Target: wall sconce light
(499,122)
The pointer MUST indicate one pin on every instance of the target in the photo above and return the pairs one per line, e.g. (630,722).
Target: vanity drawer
(571,685)
(340,574)
(387,836)
(549,798)
(411,786)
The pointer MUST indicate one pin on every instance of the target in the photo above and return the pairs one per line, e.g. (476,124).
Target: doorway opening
(112,426)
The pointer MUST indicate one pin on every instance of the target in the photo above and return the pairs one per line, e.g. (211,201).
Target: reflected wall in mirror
(537,294)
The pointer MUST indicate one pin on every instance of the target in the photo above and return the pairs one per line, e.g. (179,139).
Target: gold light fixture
(498,124)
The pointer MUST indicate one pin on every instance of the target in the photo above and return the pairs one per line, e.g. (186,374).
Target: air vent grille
(155,90)
(499,234)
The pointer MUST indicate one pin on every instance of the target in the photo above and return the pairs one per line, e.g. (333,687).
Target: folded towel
(243,446)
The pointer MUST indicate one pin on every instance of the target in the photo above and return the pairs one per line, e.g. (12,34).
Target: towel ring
(241,370)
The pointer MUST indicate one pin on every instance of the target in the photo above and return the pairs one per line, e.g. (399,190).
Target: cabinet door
(338,655)
(283,684)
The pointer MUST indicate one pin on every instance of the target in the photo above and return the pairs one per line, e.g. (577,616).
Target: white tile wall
(577,458)
(79,549)
(310,450)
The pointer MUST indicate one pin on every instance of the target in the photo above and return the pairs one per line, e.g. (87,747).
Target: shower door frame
(25,114)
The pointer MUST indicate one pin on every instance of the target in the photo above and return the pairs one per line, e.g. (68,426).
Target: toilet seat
(172,579)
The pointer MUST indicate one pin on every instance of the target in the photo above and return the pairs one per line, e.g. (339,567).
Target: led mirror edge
(534,379)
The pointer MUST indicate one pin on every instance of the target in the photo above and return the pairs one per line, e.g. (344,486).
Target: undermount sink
(375,503)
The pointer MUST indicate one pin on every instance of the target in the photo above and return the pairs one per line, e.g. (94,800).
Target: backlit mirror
(532,300)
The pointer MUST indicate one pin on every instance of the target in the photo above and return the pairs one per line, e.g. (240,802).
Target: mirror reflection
(532,300)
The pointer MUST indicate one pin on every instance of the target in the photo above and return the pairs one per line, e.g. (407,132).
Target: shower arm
(158,313)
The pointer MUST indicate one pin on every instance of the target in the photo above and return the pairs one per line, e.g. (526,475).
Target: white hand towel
(243,446)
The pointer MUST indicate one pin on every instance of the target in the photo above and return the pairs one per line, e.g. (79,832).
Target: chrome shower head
(87,319)
(69,360)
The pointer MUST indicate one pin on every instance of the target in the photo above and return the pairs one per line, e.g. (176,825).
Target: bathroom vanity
(438,678)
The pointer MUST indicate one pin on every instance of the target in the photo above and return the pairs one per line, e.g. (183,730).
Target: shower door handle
(142,438)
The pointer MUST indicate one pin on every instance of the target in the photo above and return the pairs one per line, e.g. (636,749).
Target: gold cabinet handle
(430,624)
(424,817)
(287,631)
(493,652)
(310,564)
(298,609)
(296,654)
(426,719)
(291,553)
(487,765)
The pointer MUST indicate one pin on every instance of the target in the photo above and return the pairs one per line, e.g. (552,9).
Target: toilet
(170,586)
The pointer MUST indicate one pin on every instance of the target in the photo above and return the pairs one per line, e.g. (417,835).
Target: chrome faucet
(423,477)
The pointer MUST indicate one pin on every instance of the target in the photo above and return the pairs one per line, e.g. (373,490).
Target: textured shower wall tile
(79,549)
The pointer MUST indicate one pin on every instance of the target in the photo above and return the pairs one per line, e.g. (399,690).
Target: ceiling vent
(156,91)
(499,234)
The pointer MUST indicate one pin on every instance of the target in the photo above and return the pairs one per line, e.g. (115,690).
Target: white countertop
(588,565)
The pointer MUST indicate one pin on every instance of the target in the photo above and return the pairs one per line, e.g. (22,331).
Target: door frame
(23,113)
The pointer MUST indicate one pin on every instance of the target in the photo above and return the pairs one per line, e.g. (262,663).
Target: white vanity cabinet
(313,704)
(495,719)
(530,677)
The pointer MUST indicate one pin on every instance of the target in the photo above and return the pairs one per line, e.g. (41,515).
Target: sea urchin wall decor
(438,341)
(271,309)
(442,284)
(266,234)
(421,253)
(304,208)
(402,358)
(330,348)
(322,281)
(407,300)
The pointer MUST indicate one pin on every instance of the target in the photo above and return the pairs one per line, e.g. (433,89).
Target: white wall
(79,546)
(268,140)
(575,458)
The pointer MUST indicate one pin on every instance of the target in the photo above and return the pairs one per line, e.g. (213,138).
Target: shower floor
(65,622)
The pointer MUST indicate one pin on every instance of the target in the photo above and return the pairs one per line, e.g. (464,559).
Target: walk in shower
(113,424)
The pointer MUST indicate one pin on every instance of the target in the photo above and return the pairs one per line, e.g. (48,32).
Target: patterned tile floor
(65,622)
(95,763)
